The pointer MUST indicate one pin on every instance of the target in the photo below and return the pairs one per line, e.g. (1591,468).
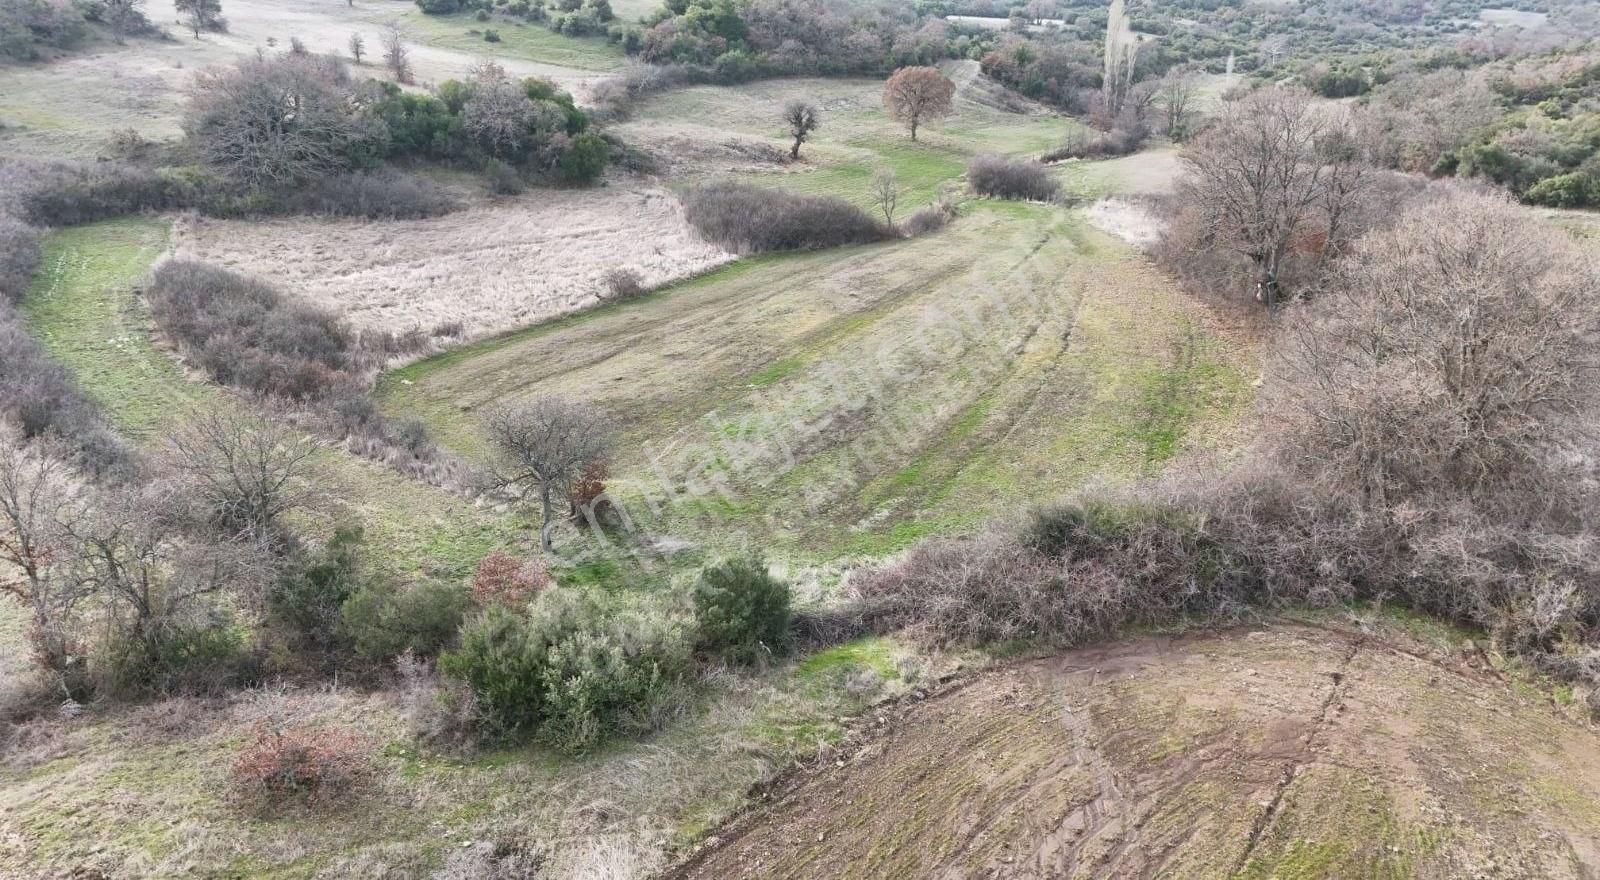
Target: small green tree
(743,610)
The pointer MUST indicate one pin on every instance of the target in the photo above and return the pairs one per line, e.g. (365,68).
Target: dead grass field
(493,267)
(1288,752)
(68,108)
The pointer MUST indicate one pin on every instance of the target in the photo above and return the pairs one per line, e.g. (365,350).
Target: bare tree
(1277,172)
(199,15)
(1175,96)
(914,94)
(245,470)
(395,54)
(543,447)
(273,121)
(1453,358)
(803,119)
(358,46)
(885,193)
(37,499)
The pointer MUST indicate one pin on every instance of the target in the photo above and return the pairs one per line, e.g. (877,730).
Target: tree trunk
(913,127)
(795,153)
(549,521)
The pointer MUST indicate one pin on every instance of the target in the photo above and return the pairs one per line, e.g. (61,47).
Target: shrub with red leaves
(313,764)
(589,485)
(503,579)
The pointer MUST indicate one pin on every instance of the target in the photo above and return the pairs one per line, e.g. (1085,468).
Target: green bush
(585,159)
(303,605)
(383,620)
(574,671)
(743,611)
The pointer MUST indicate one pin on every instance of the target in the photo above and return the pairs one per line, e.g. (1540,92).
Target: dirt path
(1286,752)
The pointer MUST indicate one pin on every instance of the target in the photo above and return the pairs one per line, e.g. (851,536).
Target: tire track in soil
(1292,769)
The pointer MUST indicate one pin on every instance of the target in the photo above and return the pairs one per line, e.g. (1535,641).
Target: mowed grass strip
(84,308)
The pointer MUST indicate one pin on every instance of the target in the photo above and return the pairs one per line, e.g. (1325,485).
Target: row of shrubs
(1012,179)
(247,334)
(750,219)
(69,193)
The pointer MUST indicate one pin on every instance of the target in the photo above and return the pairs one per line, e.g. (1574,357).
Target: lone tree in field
(1277,173)
(395,54)
(886,193)
(917,93)
(358,47)
(544,447)
(199,15)
(803,119)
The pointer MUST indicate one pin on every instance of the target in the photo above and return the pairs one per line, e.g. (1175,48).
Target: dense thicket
(1004,178)
(749,219)
(1433,413)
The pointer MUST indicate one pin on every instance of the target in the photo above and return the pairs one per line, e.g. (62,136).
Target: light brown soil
(1291,752)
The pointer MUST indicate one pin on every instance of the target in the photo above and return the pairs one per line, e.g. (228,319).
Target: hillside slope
(1287,752)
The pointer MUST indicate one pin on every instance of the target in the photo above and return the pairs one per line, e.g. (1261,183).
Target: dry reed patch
(491,267)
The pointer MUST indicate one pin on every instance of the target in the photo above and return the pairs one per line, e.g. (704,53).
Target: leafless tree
(803,119)
(1276,172)
(1452,353)
(38,498)
(542,447)
(274,121)
(885,193)
(395,54)
(914,94)
(245,470)
(1175,96)
(358,46)
(199,15)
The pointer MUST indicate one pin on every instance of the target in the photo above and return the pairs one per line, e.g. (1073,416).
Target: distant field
(68,108)
(83,308)
(492,267)
(856,139)
(519,40)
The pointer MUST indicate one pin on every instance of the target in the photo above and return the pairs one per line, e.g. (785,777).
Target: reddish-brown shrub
(503,579)
(313,764)
(589,485)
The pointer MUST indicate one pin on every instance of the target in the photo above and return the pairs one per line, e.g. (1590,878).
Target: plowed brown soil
(1290,752)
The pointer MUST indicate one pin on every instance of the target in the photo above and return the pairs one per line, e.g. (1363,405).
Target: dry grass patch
(491,268)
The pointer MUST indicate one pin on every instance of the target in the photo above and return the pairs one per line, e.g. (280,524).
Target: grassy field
(856,139)
(850,401)
(84,309)
(519,40)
